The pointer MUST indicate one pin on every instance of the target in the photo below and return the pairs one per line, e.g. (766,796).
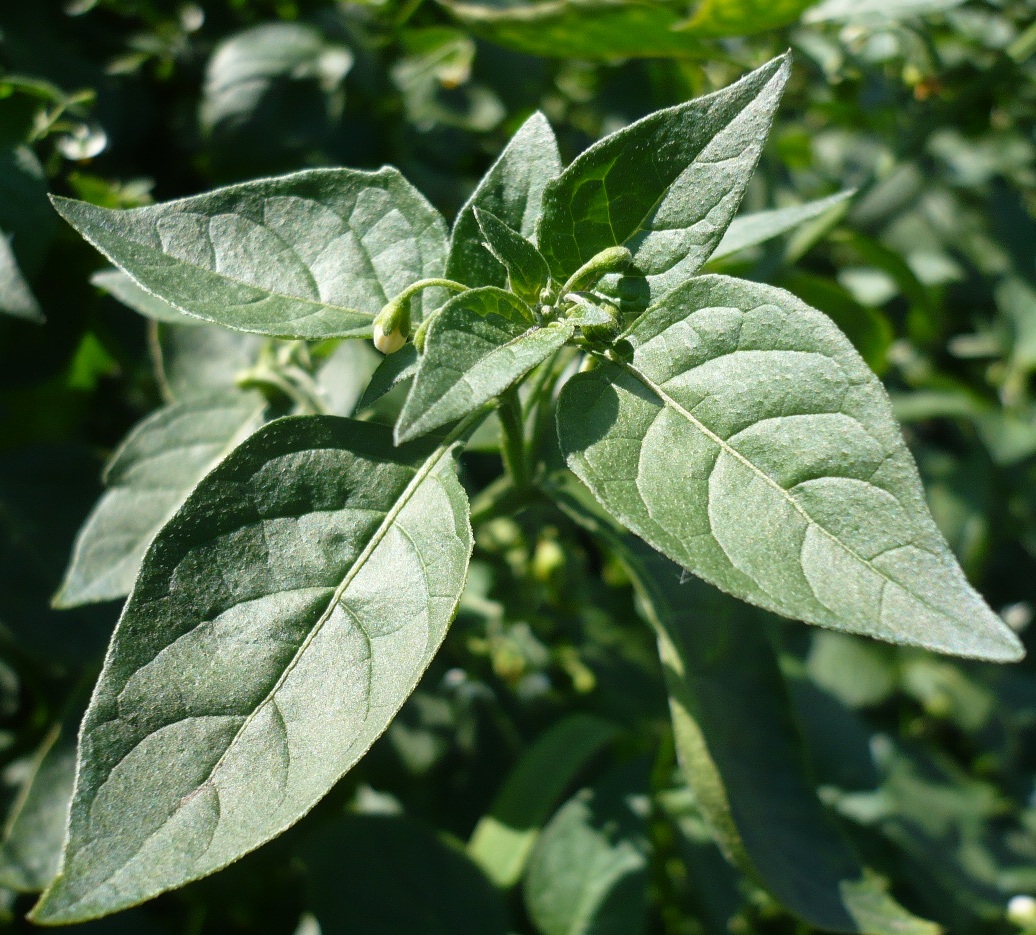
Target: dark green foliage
(399,653)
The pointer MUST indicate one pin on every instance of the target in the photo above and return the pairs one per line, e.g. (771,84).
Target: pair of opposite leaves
(269,638)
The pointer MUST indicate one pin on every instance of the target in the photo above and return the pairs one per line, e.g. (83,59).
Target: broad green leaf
(118,284)
(594,29)
(35,829)
(315,254)
(739,747)
(394,369)
(745,439)
(247,67)
(279,621)
(748,230)
(512,189)
(24,215)
(588,873)
(380,874)
(505,836)
(199,359)
(867,328)
(527,271)
(273,95)
(343,375)
(16,297)
(718,18)
(477,346)
(875,11)
(147,480)
(433,77)
(665,187)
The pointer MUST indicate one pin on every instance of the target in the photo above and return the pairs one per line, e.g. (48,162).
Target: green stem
(264,376)
(513,438)
(416,287)
(500,498)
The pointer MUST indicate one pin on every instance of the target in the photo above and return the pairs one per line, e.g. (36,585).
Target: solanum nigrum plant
(288,604)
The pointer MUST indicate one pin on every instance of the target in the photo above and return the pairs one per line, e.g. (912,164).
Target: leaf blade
(477,346)
(679,175)
(512,189)
(737,743)
(203,739)
(315,254)
(768,406)
(147,480)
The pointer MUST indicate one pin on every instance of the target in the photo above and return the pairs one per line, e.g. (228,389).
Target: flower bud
(392,326)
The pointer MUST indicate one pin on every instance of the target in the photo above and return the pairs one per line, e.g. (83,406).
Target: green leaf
(24,214)
(527,271)
(311,255)
(394,369)
(400,878)
(588,873)
(878,12)
(199,359)
(512,189)
(665,187)
(745,439)
(504,838)
(35,830)
(592,29)
(148,478)
(739,747)
(16,297)
(479,344)
(719,18)
(117,283)
(247,67)
(867,328)
(748,230)
(280,620)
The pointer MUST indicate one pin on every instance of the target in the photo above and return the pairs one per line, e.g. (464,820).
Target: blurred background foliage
(529,786)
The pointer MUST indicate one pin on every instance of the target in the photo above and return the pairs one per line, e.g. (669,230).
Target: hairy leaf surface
(527,271)
(747,440)
(315,254)
(512,190)
(738,745)
(148,479)
(279,621)
(118,284)
(665,187)
(477,346)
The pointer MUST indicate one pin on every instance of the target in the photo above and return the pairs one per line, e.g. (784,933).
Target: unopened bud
(392,326)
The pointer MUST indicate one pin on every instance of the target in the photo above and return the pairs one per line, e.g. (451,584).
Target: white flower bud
(388,342)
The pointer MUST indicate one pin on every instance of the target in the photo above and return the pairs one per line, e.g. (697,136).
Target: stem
(513,438)
(416,287)
(500,498)
(261,375)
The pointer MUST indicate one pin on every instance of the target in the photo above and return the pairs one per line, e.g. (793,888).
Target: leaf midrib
(407,494)
(318,303)
(728,449)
